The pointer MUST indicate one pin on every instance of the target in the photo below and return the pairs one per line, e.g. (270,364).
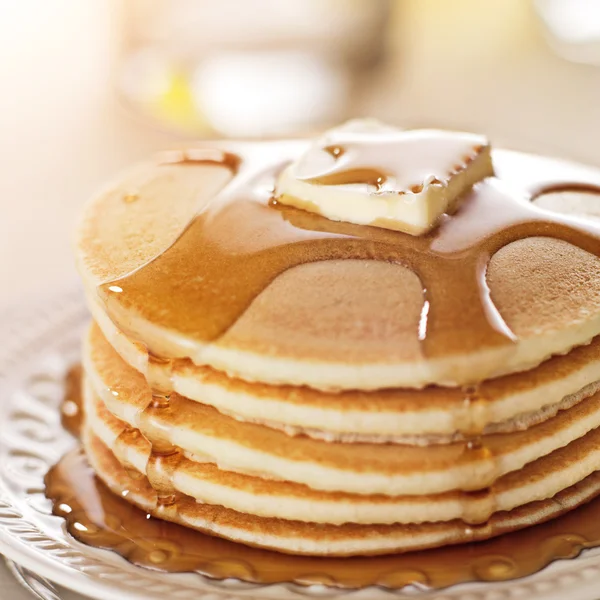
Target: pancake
(261,373)
(359,468)
(361,330)
(504,404)
(202,480)
(319,539)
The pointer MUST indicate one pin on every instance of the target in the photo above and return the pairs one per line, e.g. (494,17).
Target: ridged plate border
(39,340)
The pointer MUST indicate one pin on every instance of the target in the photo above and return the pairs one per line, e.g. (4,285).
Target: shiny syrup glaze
(377,164)
(253,239)
(99,518)
(271,238)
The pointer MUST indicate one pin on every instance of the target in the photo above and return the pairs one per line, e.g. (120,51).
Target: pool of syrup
(99,518)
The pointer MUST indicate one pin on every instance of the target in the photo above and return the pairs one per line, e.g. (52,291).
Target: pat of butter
(371,174)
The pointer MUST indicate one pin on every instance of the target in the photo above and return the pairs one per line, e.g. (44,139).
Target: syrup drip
(99,518)
(478,513)
(158,375)
(164,456)
(71,410)
(160,470)
(121,450)
(471,425)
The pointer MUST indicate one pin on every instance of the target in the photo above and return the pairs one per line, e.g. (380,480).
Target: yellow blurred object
(176,107)
(251,69)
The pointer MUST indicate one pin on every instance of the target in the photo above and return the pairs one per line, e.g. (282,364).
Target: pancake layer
(361,330)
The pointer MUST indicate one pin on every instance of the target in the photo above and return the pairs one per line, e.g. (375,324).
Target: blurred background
(90,86)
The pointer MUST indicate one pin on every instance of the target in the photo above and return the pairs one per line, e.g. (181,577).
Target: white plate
(37,345)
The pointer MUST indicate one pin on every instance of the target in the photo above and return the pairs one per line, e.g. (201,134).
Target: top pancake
(342,321)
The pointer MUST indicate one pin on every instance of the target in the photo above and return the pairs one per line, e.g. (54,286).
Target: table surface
(461,64)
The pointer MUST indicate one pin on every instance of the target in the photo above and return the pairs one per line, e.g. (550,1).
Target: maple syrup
(99,518)
(271,238)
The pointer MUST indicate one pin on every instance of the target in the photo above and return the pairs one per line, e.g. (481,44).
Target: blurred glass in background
(246,69)
(573,28)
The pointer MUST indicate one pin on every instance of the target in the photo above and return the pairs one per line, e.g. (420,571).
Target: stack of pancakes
(317,422)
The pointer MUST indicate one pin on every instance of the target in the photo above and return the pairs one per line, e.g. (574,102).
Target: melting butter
(370,174)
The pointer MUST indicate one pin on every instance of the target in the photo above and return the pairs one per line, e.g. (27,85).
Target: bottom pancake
(321,539)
